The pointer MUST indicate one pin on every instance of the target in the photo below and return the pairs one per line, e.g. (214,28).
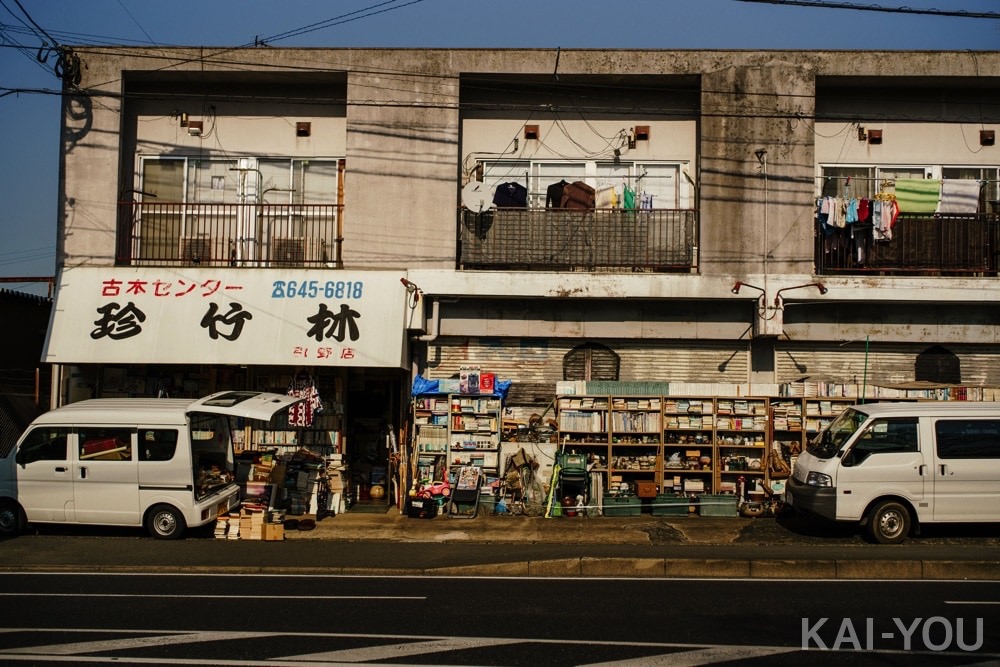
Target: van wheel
(889,522)
(10,518)
(165,522)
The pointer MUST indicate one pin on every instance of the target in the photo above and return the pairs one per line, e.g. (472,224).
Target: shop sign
(205,315)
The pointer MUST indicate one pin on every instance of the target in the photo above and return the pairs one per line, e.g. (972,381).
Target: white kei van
(162,464)
(894,466)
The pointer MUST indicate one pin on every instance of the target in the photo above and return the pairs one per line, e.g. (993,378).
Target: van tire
(889,522)
(165,522)
(11,518)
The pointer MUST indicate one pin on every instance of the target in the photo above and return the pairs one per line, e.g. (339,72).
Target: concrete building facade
(269,170)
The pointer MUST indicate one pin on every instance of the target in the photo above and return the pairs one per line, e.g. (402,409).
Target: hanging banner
(220,316)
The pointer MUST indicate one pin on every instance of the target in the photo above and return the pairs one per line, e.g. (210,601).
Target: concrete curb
(656,568)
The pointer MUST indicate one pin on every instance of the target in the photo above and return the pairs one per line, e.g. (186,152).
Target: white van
(894,466)
(162,464)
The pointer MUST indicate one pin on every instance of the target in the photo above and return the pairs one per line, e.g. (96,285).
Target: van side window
(884,436)
(967,438)
(105,444)
(157,444)
(44,444)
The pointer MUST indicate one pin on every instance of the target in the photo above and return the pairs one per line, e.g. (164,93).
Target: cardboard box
(645,489)
(274,532)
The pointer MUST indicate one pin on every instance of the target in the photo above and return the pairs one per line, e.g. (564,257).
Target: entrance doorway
(374,414)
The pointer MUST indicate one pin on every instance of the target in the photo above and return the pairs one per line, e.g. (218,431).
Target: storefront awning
(213,316)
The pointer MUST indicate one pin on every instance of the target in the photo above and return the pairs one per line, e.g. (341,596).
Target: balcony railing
(237,235)
(933,245)
(571,240)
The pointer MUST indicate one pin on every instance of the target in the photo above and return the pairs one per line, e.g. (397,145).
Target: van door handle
(60,469)
(922,469)
(944,469)
(83,472)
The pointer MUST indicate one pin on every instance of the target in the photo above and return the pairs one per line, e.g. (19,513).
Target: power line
(879,8)
(337,20)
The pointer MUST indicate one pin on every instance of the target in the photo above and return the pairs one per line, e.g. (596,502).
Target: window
(884,436)
(848,182)
(157,444)
(105,444)
(938,364)
(590,361)
(44,444)
(967,438)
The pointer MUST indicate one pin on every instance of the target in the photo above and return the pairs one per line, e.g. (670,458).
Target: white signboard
(222,316)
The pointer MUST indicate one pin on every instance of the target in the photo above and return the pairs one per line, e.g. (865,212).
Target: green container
(670,505)
(622,505)
(717,505)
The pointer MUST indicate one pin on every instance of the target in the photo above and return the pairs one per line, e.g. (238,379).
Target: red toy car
(434,489)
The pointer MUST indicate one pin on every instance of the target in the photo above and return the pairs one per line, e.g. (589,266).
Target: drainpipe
(434,328)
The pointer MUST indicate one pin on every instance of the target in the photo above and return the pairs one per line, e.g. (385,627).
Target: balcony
(602,240)
(231,235)
(928,245)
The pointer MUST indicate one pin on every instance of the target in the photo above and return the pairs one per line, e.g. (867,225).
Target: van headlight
(818,479)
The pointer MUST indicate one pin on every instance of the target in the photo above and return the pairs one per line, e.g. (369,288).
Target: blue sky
(29,102)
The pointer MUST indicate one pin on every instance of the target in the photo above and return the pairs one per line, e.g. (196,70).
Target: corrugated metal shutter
(886,364)
(539,360)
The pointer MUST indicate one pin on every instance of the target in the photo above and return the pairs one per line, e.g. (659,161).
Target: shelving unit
(474,422)
(689,461)
(636,453)
(819,412)
(584,429)
(430,437)
(788,432)
(741,431)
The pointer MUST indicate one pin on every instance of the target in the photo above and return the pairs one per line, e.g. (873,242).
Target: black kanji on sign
(236,318)
(326,323)
(118,322)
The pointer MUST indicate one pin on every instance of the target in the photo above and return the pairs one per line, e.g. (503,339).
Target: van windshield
(828,442)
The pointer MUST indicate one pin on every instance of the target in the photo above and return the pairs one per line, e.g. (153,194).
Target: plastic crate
(717,505)
(424,508)
(670,505)
(622,505)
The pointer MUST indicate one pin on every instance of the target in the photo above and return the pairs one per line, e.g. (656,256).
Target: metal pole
(864,381)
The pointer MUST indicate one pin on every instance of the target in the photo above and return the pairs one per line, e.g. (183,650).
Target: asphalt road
(315,619)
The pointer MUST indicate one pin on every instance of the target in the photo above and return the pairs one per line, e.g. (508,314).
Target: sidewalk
(506,529)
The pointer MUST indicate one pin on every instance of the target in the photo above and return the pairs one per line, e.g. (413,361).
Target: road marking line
(390,651)
(218,597)
(134,642)
(706,656)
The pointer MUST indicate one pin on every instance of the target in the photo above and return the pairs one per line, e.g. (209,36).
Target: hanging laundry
(303,413)
(578,195)
(628,199)
(918,195)
(554,194)
(511,195)
(959,196)
(604,196)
